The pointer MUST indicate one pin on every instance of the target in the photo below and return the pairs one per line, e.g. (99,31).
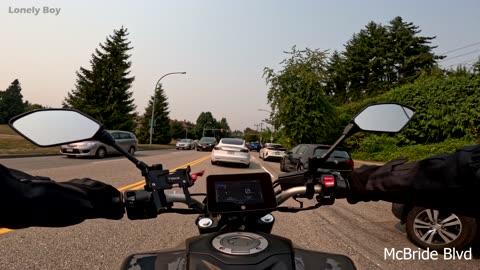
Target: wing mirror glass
(388,117)
(52,127)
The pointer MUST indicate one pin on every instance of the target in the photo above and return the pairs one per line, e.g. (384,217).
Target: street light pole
(271,122)
(154,100)
(203,132)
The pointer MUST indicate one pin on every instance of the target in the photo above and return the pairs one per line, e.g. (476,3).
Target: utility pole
(261,132)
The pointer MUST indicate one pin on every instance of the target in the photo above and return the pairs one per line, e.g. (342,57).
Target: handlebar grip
(342,187)
(139,204)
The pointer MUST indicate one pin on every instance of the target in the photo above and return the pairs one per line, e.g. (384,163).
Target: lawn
(11,143)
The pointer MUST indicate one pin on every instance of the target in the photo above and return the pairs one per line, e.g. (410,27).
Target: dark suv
(297,159)
(206,144)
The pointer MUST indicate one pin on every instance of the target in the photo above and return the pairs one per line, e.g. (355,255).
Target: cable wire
(461,48)
(460,55)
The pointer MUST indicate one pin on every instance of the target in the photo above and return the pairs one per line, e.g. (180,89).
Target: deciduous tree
(297,96)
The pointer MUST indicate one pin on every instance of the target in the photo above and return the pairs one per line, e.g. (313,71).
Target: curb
(57,154)
(28,155)
(363,162)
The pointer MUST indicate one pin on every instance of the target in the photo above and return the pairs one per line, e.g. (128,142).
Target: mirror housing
(379,117)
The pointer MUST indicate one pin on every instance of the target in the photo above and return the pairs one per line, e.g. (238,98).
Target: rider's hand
(357,181)
(392,181)
(106,201)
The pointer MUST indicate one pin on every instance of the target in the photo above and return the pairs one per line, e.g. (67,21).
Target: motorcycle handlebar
(280,198)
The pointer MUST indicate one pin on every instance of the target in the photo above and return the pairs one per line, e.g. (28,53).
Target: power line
(461,63)
(460,55)
(461,48)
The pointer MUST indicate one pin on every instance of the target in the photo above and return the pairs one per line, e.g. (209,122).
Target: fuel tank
(236,250)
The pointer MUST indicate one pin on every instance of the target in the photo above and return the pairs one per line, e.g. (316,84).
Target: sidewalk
(359,163)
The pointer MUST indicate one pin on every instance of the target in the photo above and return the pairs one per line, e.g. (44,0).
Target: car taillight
(350,162)
(217,148)
(328,181)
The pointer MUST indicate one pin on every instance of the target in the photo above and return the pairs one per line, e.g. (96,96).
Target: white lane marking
(271,174)
(105,161)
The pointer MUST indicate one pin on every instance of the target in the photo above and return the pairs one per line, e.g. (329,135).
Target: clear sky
(223,45)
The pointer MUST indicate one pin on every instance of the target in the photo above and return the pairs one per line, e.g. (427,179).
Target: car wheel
(436,230)
(282,165)
(247,165)
(213,162)
(101,152)
(131,150)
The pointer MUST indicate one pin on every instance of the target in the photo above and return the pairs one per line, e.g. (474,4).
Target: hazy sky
(222,45)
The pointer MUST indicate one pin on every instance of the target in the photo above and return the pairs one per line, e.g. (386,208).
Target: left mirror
(52,127)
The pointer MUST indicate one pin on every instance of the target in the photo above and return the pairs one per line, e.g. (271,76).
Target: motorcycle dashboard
(240,192)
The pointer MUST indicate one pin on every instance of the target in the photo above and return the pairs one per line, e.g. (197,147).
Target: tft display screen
(239,192)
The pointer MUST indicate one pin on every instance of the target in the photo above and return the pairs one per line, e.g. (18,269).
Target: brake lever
(194,176)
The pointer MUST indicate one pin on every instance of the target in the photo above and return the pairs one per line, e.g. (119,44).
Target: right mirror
(384,117)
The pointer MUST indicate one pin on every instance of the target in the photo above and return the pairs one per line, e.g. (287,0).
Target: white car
(230,150)
(185,144)
(272,151)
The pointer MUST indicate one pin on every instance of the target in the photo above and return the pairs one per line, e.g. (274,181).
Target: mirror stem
(106,138)
(315,163)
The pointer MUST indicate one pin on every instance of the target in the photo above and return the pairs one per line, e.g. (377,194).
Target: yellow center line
(2,230)
(140,183)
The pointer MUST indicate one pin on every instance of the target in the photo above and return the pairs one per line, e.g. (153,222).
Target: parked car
(206,144)
(125,139)
(231,150)
(297,159)
(272,151)
(436,230)
(255,146)
(185,144)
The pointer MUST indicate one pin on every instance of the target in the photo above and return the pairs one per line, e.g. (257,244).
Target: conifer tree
(162,133)
(11,102)
(103,91)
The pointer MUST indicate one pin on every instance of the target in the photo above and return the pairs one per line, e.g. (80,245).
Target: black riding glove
(27,200)
(391,182)
(105,199)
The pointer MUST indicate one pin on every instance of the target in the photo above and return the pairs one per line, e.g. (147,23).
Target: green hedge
(383,148)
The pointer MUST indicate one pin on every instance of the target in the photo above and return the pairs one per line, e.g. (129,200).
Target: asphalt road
(363,231)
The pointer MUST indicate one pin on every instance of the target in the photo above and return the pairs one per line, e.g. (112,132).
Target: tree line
(312,96)
(103,92)
(12,104)
(316,92)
